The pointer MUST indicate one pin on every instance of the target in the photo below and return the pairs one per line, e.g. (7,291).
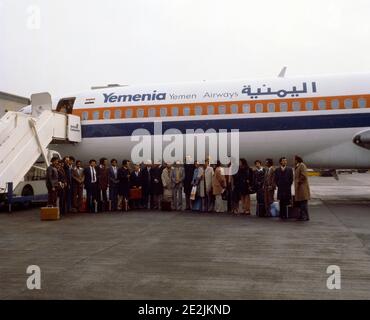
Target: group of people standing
(207,188)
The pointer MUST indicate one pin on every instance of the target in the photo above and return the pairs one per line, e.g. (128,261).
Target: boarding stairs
(25,137)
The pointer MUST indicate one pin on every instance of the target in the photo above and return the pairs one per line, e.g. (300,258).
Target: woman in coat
(302,188)
(198,181)
(167,184)
(218,187)
(208,176)
(243,182)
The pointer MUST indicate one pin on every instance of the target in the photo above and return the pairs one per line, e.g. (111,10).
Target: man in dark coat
(156,186)
(259,178)
(113,184)
(52,182)
(91,185)
(146,181)
(189,172)
(102,172)
(68,192)
(124,185)
(63,183)
(284,181)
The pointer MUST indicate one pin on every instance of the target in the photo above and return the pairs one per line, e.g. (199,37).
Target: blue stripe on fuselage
(326,121)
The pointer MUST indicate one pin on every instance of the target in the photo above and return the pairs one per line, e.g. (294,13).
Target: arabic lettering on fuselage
(281,93)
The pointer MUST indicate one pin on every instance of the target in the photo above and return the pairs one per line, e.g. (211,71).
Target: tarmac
(185,255)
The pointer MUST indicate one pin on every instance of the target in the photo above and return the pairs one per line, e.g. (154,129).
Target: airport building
(11,102)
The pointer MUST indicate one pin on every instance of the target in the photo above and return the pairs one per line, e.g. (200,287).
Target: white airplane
(325,118)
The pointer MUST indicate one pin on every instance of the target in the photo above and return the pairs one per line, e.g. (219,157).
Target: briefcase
(135,194)
(49,213)
(293,212)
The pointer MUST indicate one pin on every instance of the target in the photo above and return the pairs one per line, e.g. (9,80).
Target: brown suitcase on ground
(293,212)
(135,194)
(49,213)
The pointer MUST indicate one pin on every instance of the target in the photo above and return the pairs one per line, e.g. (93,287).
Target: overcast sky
(67,46)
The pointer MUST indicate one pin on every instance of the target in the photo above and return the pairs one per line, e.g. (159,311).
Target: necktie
(93,174)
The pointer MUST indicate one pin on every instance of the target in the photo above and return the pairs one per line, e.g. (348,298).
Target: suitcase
(49,213)
(166,206)
(293,212)
(135,194)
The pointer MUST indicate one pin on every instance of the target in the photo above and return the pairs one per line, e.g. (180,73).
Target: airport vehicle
(325,119)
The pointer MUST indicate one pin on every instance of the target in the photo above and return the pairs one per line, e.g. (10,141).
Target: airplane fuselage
(316,117)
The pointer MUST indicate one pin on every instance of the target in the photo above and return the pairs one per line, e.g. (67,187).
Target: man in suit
(91,186)
(136,182)
(284,181)
(189,172)
(124,185)
(62,189)
(259,179)
(68,192)
(177,177)
(167,187)
(156,186)
(146,180)
(113,184)
(269,186)
(102,172)
(78,185)
(52,182)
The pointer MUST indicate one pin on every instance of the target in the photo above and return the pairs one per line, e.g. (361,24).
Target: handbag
(193,193)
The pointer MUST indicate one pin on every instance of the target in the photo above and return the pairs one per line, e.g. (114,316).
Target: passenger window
(348,103)
(283,107)
(186,111)
(322,104)
(246,108)
(128,113)
(163,112)
(361,103)
(221,109)
(309,105)
(152,112)
(117,114)
(234,108)
(259,107)
(85,115)
(271,107)
(175,111)
(296,106)
(140,113)
(106,114)
(210,109)
(198,111)
(335,104)
(96,115)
